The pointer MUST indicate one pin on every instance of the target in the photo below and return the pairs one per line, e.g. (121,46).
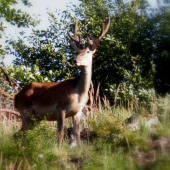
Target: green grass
(114,147)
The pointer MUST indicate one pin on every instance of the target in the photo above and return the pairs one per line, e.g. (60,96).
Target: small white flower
(12,74)
(37,73)
(23,68)
(45,79)
(31,76)
(41,156)
(50,72)
(34,165)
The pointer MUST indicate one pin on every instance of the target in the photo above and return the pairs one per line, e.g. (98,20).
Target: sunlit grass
(114,147)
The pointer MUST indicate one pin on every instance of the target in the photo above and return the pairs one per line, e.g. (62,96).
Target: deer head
(84,55)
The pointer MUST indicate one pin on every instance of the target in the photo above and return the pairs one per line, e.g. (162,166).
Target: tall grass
(114,147)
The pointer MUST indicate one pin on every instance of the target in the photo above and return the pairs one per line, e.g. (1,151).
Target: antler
(78,44)
(102,33)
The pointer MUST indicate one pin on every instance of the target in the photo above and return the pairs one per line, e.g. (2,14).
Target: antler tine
(78,43)
(103,31)
(88,40)
(75,33)
(80,40)
(72,38)
(75,30)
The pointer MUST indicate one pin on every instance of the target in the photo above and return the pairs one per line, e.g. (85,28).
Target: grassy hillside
(117,146)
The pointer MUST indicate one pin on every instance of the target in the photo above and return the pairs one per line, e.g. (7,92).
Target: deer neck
(84,82)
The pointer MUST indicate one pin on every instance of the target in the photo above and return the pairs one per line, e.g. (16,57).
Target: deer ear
(95,44)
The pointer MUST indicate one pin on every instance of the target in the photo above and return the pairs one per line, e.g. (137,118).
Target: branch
(5,94)
(11,111)
(117,92)
(10,81)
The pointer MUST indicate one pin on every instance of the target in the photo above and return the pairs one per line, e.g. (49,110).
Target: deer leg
(76,129)
(60,121)
(27,122)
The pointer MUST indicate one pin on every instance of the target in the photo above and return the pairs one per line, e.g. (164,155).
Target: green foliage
(38,150)
(163,109)
(47,52)
(112,134)
(26,75)
(132,54)
(132,97)
(127,60)
(15,17)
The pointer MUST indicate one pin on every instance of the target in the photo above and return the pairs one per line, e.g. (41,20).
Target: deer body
(46,98)
(55,101)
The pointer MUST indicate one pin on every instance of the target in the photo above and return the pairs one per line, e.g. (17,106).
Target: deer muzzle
(77,62)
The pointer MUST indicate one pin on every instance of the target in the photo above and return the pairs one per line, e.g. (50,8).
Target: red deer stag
(55,101)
